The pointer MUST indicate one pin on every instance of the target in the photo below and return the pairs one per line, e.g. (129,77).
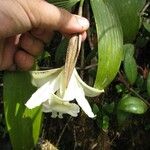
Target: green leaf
(95,109)
(120,88)
(44,55)
(133,105)
(23,124)
(110,42)
(64,3)
(128,49)
(148,84)
(130,66)
(129,14)
(146,24)
(105,124)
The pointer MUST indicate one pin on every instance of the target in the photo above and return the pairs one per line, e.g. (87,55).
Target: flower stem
(80,7)
(73,51)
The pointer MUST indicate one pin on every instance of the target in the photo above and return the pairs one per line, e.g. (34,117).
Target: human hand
(25,25)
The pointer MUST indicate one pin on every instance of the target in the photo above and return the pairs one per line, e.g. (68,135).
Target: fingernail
(83,22)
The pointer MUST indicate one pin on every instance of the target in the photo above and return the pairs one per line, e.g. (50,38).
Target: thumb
(53,18)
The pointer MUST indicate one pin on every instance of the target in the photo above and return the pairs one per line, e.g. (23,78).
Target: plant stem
(121,78)
(81,3)
(135,93)
(62,132)
(145,7)
(80,12)
(80,7)
(73,51)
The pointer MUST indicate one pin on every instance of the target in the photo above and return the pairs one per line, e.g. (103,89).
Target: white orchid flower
(55,98)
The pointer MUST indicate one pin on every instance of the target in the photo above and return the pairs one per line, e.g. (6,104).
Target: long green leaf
(110,42)
(23,124)
(129,15)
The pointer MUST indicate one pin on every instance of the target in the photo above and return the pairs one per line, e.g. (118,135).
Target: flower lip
(59,107)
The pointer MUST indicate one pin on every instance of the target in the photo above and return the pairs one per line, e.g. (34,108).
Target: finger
(7,52)
(23,60)
(51,17)
(84,35)
(42,34)
(31,44)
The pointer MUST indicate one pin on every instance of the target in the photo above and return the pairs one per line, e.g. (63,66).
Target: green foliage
(132,104)
(110,42)
(130,66)
(101,118)
(146,24)
(105,124)
(129,15)
(44,55)
(23,124)
(128,49)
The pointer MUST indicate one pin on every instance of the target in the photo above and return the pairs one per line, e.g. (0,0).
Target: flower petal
(71,89)
(41,77)
(43,93)
(82,101)
(56,104)
(88,90)
(62,89)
